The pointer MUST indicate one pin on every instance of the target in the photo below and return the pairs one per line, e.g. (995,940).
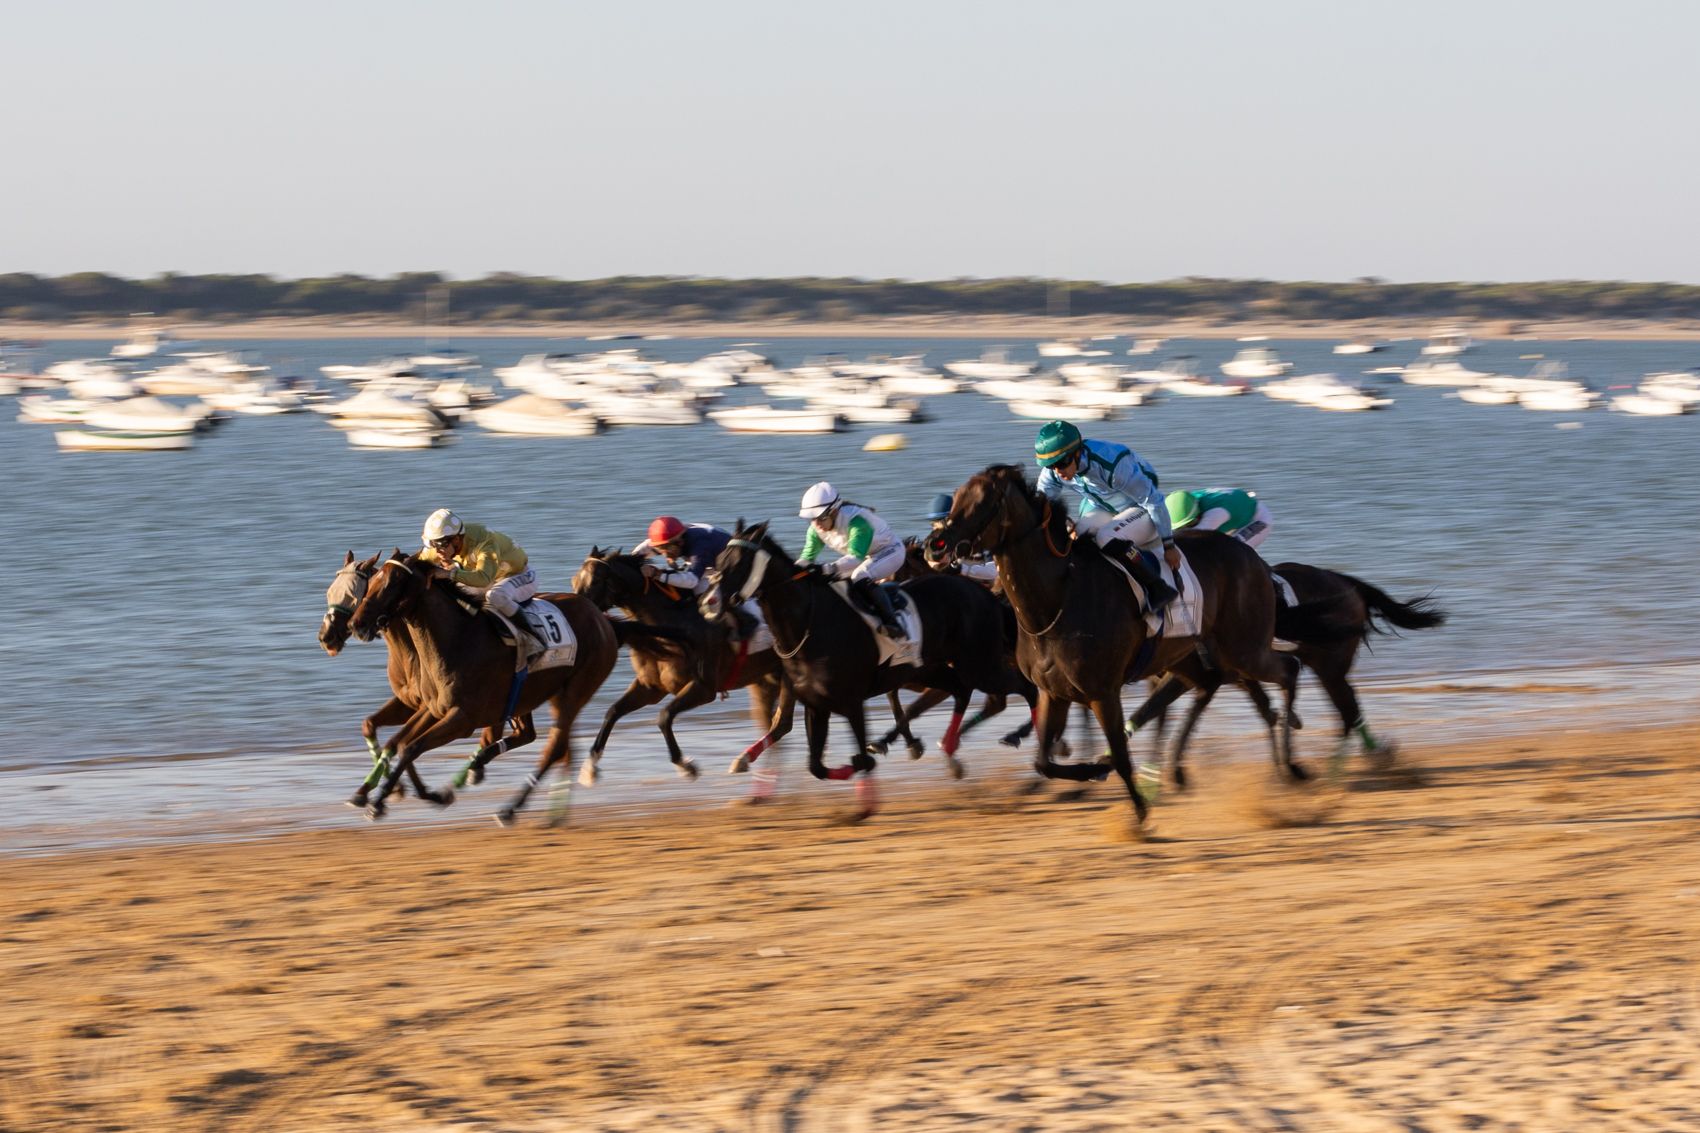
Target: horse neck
(442,635)
(782,601)
(1035,579)
(653,608)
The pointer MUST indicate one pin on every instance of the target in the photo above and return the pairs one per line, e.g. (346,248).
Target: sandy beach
(1500,935)
(913,327)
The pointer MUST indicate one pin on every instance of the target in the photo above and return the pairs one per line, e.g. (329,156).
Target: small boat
(529,415)
(1061,348)
(650,409)
(1447,342)
(40,409)
(145,344)
(374,406)
(408,438)
(992,365)
(1681,385)
(145,415)
(1093,375)
(1448,372)
(1488,395)
(453,359)
(1349,401)
(886,442)
(767,419)
(1358,346)
(113,440)
(1256,362)
(1143,346)
(1645,405)
(1054,410)
(1325,391)
(894,413)
(1570,400)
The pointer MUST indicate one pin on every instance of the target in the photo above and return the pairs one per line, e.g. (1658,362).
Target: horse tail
(1419,613)
(652,639)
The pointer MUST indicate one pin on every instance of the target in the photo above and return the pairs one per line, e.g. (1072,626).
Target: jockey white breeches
(505,596)
(1257,530)
(880,564)
(1133,524)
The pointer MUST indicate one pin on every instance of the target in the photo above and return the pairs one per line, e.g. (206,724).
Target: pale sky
(1094,139)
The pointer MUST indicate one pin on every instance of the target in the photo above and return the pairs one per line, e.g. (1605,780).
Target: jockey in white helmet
(868,551)
(486,561)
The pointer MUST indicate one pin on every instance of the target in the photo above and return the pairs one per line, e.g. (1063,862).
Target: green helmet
(1057,440)
(1183,508)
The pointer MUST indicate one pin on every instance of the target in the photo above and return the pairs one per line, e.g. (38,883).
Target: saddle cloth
(549,625)
(1284,592)
(1182,617)
(892,651)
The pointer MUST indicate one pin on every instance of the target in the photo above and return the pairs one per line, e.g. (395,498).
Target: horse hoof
(878,747)
(504,817)
(589,774)
(1296,772)
(443,798)
(863,763)
(477,776)
(1383,757)
(955,768)
(356,800)
(375,811)
(739,765)
(1181,780)
(916,748)
(1100,772)
(1297,724)
(688,771)
(1062,752)
(1013,739)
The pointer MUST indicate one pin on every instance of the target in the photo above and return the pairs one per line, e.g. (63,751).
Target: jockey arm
(488,558)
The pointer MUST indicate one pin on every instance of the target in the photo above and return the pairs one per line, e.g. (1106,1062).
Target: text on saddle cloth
(906,651)
(548,624)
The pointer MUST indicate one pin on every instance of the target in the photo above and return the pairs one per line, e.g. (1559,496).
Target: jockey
(868,551)
(689,548)
(1119,505)
(1228,510)
(981,567)
(486,561)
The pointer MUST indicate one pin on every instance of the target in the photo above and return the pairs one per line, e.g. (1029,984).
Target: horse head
(397,584)
(608,578)
(741,569)
(987,512)
(344,594)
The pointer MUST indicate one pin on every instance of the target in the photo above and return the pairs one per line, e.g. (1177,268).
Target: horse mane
(759,534)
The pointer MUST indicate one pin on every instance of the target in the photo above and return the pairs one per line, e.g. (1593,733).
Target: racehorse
(1359,609)
(830,654)
(344,594)
(707,663)
(1082,633)
(466,673)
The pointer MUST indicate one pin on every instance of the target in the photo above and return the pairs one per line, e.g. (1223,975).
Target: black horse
(831,658)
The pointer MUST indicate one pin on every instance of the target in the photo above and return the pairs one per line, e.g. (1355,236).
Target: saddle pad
(548,623)
(891,651)
(1183,616)
(1284,592)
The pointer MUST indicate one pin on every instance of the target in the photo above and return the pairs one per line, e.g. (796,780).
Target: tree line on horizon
(511,297)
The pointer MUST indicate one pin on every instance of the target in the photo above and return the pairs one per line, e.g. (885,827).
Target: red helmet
(664,530)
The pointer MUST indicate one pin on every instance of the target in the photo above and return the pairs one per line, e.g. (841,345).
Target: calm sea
(165,605)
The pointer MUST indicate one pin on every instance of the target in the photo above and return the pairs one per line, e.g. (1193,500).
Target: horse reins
(751,584)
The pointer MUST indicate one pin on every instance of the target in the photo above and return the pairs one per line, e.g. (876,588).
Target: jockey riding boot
(528,643)
(743,624)
(1157,592)
(881,602)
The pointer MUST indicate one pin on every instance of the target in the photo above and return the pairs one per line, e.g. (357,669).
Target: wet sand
(1500,935)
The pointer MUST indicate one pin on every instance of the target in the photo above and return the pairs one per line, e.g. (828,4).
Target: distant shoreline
(920,327)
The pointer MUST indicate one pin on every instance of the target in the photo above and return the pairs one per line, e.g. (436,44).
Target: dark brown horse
(465,676)
(830,655)
(1355,609)
(692,673)
(402,708)
(1082,635)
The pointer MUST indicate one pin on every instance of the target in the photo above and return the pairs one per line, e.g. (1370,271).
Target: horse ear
(595,551)
(396,554)
(739,526)
(348,558)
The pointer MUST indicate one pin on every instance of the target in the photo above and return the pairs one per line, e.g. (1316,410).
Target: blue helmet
(941,507)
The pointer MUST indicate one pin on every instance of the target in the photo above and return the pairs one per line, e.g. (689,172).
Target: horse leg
(1281,735)
(393,711)
(383,759)
(1031,695)
(953,734)
(492,746)
(1109,713)
(637,695)
(693,695)
(867,791)
(557,746)
(1177,754)
(1053,718)
(904,716)
(1332,676)
(815,721)
(442,730)
(764,711)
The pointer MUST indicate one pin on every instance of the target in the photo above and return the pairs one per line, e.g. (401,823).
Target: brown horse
(1355,609)
(831,658)
(465,675)
(708,662)
(1082,633)
(402,708)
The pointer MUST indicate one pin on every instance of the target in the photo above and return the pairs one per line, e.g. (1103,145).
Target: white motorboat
(83,440)
(624,409)
(1203,387)
(1093,375)
(1256,362)
(446,359)
(1349,401)
(1448,372)
(1488,395)
(1574,399)
(376,406)
(1447,342)
(99,377)
(1062,348)
(992,365)
(1680,385)
(529,415)
(1309,388)
(40,409)
(9,385)
(1053,410)
(367,371)
(401,438)
(1358,346)
(1143,346)
(1646,405)
(145,415)
(145,344)
(903,412)
(767,419)
(184,379)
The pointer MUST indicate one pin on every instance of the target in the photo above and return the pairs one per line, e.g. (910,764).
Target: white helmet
(817,499)
(441,524)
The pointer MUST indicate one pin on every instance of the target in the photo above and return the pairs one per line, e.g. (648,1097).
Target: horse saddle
(893,590)
(1183,617)
(899,651)
(547,623)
